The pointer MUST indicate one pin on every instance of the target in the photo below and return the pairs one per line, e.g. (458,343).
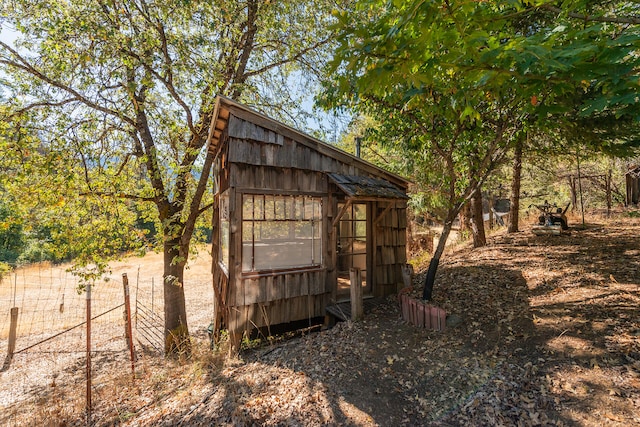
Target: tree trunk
(175,313)
(477,223)
(514,208)
(435,261)
(608,191)
(465,217)
(574,193)
(492,219)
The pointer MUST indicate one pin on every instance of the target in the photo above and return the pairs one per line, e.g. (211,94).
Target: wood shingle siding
(259,157)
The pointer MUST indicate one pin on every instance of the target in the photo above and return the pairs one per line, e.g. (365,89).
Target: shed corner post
(357,309)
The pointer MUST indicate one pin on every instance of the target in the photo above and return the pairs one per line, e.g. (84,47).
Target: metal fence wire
(149,316)
(43,327)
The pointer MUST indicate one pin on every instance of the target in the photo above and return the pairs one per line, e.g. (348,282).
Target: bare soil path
(543,331)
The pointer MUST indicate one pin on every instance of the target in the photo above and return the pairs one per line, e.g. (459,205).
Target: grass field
(48,299)
(51,334)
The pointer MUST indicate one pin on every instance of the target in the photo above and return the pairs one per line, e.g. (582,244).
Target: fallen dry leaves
(541,331)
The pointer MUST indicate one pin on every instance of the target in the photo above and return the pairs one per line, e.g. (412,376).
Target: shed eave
(362,188)
(224,107)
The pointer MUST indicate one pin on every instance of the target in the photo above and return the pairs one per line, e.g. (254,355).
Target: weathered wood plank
(283,131)
(280,290)
(268,155)
(252,291)
(357,309)
(236,127)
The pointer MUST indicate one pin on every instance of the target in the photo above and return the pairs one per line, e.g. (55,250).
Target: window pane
(312,208)
(281,210)
(247,256)
(247,207)
(317,251)
(347,215)
(317,209)
(284,232)
(303,229)
(258,208)
(359,246)
(269,208)
(272,230)
(360,211)
(298,207)
(361,228)
(224,229)
(360,261)
(247,231)
(224,243)
(345,244)
(315,224)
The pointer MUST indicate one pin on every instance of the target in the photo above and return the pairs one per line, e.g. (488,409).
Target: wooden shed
(293,215)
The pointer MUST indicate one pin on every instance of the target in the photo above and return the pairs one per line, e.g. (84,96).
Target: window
(224,229)
(352,246)
(280,232)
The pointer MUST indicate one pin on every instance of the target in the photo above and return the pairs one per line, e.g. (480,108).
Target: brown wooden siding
(251,290)
(273,180)
(263,158)
(290,154)
(247,317)
(390,248)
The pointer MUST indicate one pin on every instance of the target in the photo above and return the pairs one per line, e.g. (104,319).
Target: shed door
(352,247)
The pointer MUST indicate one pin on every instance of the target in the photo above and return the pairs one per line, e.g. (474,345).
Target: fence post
(127,326)
(88,353)
(13,326)
(357,309)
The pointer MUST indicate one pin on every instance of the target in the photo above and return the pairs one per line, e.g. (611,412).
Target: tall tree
(514,207)
(132,83)
(401,64)
(458,70)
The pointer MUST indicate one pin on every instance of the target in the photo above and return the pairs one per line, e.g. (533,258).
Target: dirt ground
(540,331)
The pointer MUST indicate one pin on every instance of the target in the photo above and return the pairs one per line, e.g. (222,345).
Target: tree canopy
(457,83)
(127,87)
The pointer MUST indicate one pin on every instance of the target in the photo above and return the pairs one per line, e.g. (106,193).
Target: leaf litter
(547,333)
(542,331)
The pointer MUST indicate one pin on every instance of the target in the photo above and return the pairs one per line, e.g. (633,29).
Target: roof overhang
(364,188)
(225,107)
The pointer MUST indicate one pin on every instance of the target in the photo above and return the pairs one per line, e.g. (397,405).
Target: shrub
(4,269)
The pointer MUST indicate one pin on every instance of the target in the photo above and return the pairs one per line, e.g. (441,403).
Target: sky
(332,126)
(7,35)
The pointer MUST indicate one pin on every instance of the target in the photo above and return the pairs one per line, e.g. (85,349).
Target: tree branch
(205,208)
(286,60)
(118,195)
(168,85)
(247,42)
(23,64)
(43,104)
(633,20)
(195,210)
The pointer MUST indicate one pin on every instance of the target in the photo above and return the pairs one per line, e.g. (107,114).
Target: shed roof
(364,187)
(224,107)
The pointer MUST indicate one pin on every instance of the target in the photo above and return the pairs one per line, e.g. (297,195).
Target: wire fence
(149,319)
(58,338)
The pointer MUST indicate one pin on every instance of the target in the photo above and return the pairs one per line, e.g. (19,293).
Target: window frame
(287,211)
(225,232)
